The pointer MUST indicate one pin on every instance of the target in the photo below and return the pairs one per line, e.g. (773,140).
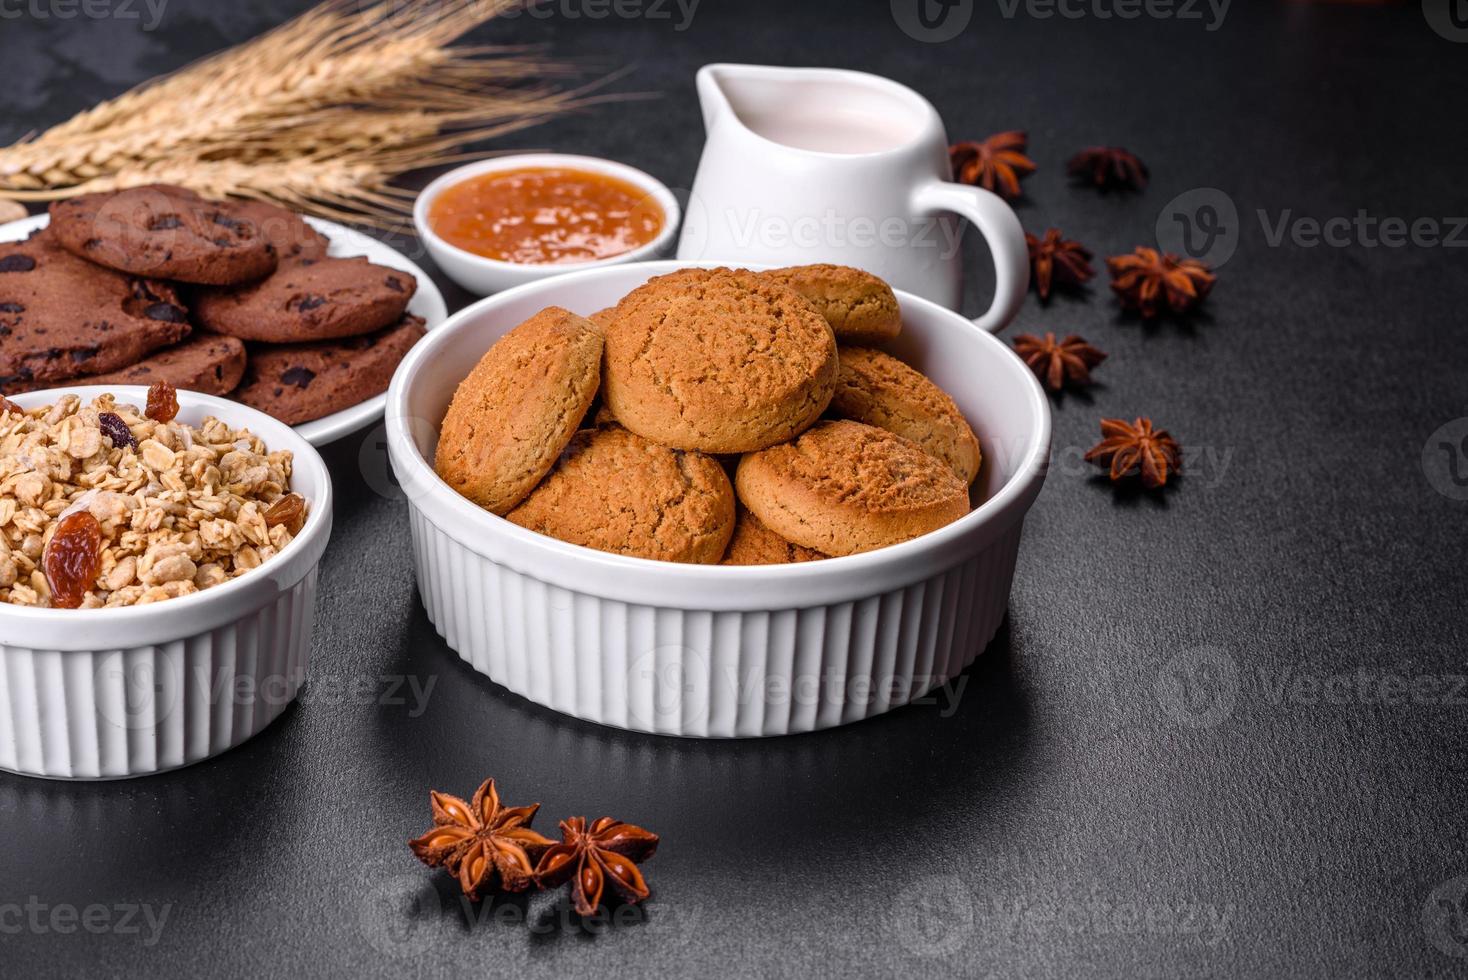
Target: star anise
(995,164)
(608,850)
(1147,280)
(1107,167)
(1056,363)
(1058,260)
(6,405)
(482,843)
(1137,448)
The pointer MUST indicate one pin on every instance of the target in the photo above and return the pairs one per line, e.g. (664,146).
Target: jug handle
(1000,227)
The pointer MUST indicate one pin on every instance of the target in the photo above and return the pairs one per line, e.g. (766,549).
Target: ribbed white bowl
(710,651)
(109,693)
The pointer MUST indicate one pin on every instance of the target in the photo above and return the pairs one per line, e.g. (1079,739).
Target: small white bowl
(707,650)
(482,276)
(109,693)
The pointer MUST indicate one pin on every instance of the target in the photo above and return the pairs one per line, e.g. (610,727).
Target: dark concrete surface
(1223,730)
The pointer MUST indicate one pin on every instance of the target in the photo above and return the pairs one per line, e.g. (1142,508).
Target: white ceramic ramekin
(483,276)
(712,651)
(108,693)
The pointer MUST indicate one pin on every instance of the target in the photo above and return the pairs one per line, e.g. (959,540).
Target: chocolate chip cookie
(308,299)
(62,318)
(166,232)
(288,232)
(205,362)
(300,382)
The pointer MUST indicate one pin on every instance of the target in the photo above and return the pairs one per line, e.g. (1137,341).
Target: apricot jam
(545,215)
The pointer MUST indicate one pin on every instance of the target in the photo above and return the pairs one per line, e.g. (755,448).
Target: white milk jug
(821,165)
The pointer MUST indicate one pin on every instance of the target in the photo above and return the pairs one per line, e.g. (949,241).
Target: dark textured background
(1150,772)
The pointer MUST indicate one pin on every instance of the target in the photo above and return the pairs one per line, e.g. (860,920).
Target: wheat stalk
(319,114)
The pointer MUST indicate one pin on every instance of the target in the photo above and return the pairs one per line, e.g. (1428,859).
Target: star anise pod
(6,405)
(1137,448)
(482,843)
(995,164)
(1107,167)
(1147,280)
(1056,363)
(589,857)
(1058,260)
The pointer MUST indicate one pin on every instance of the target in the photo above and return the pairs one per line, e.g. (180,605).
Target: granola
(181,508)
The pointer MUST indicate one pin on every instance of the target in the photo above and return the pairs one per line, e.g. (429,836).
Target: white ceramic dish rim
(672,213)
(93,629)
(427,302)
(641,580)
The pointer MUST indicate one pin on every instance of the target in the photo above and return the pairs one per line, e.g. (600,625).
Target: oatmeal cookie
(602,317)
(880,390)
(717,360)
(755,544)
(844,487)
(860,308)
(615,491)
(519,408)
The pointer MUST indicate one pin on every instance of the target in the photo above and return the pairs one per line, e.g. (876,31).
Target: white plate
(427,302)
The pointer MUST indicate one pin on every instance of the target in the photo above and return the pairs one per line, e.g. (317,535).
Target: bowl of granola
(158,561)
